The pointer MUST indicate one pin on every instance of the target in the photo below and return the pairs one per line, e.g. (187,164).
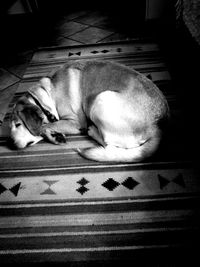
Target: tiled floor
(75,28)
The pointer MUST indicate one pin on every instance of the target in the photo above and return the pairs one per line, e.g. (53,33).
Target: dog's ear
(42,92)
(30,114)
(32,119)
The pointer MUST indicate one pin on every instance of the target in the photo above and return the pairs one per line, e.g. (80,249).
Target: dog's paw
(54,137)
(59,137)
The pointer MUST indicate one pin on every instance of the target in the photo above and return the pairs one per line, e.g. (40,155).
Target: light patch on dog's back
(74,90)
(111,114)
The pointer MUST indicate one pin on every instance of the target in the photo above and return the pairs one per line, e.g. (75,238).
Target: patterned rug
(58,207)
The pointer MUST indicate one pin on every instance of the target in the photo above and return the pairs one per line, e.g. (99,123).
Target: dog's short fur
(119,107)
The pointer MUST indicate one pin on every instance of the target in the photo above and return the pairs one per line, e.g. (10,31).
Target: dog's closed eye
(30,143)
(17,124)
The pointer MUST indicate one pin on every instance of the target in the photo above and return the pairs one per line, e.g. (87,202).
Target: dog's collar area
(50,116)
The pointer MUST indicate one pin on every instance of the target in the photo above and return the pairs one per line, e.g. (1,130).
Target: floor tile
(6,96)
(75,15)
(69,28)
(60,41)
(106,23)
(114,37)
(90,35)
(91,19)
(6,79)
(18,63)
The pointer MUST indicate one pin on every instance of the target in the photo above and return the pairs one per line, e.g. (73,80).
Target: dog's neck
(49,116)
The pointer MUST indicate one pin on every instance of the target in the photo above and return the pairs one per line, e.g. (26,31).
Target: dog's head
(31,111)
(25,123)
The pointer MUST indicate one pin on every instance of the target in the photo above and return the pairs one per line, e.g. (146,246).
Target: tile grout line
(73,19)
(11,85)
(74,33)
(89,25)
(93,25)
(107,37)
(83,23)
(81,43)
(12,73)
(111,33)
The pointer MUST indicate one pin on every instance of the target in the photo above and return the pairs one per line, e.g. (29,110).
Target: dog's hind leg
(115,119)
(94,133)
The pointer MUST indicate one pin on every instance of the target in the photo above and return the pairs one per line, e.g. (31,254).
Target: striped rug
(56,206)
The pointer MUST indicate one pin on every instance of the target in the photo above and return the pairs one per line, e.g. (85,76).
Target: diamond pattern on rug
(130,183)
(110,184)
(82,189)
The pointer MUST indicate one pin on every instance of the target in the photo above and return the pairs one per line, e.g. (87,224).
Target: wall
(155,9)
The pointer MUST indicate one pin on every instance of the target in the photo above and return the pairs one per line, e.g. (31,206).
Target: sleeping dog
(118,107)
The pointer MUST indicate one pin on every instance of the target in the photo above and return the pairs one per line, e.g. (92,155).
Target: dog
(120,108)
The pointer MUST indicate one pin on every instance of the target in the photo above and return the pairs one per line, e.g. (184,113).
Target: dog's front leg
(56,132)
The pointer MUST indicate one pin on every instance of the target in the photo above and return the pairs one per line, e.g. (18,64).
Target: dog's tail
(117,154)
